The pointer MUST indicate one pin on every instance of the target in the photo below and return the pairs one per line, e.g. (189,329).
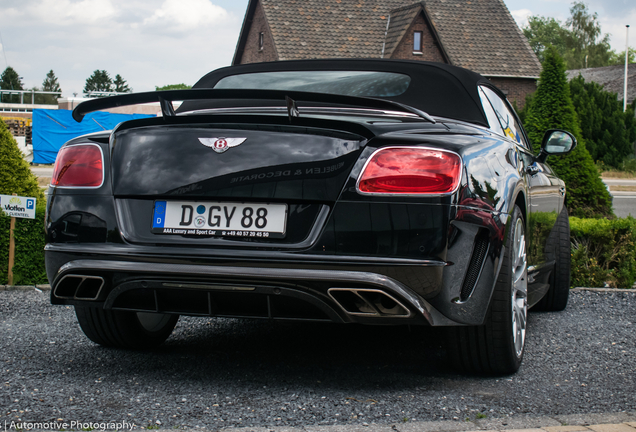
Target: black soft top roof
(436,88)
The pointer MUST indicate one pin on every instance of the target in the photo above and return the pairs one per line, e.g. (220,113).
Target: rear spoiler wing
(166,97)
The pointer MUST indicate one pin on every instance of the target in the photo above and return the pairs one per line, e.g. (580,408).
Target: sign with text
(17,206)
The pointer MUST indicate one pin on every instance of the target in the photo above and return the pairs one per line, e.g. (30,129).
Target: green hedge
(28,268)
(603,252)
(540,225)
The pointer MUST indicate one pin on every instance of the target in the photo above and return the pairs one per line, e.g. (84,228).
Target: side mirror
(556,142)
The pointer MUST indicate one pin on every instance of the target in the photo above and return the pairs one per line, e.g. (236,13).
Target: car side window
(509,124)
(491,116)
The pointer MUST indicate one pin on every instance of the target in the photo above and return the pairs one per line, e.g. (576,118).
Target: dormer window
(417,41)
(261,38)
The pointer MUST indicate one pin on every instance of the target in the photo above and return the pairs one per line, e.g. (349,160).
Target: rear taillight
(79,166)
(411,170)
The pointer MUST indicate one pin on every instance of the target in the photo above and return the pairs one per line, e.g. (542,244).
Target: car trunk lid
(210,172)
(239,164)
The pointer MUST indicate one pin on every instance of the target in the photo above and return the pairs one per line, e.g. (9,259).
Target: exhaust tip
(368,302)
(79,287)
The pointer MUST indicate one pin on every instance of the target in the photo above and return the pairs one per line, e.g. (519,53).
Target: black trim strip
(149,251)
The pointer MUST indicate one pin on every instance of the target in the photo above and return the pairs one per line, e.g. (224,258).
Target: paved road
(624,182)
(235,373)
(624,202)
(42,171)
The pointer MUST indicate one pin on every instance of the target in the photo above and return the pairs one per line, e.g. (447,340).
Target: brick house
(480,35)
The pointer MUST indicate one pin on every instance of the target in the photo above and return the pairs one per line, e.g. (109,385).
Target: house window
(261,37)
(417,41)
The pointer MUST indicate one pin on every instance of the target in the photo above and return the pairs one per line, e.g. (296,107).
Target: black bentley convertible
(349,191)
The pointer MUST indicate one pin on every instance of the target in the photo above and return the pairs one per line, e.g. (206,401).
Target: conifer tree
(15,176)
(608,131)
(552,108)
(121,86)
(10,80)
(99,81)
(51,84)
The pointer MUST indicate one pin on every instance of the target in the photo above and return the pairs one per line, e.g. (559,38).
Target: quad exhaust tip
(368,302)
(79,287)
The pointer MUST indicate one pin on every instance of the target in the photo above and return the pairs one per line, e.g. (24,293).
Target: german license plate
(224,219)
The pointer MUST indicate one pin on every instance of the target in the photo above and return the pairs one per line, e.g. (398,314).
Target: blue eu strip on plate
(159,218)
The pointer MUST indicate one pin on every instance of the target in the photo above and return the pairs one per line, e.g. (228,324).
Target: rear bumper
(346,291)
(259,283)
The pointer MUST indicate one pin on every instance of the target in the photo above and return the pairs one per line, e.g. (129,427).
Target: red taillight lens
(411,170)
(78,166)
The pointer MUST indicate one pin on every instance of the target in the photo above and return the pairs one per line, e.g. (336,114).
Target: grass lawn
(618,175)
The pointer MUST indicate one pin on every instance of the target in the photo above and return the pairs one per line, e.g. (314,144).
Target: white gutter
(626,62)
(386,31)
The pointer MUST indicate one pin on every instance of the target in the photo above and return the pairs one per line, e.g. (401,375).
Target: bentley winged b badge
(221,145)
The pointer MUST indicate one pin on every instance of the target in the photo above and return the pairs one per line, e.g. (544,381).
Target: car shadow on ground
(261,352)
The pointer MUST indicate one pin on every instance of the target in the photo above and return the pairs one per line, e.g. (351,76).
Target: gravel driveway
(219,373)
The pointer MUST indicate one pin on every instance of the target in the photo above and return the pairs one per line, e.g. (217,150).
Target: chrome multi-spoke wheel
(519,301)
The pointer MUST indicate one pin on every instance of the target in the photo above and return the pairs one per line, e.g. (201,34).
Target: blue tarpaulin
(52,128)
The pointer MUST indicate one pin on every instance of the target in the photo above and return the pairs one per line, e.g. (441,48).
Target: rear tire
(556,299)
(497,346)
(119,329)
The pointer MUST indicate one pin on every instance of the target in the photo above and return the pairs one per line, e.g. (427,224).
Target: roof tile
(611,78)
(480,35)
(400,21)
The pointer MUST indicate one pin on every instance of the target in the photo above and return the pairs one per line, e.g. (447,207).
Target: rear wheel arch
(520,201)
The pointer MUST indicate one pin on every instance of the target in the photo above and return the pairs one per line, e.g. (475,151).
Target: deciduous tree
(542,32)
(579,40)
(586,45)
(619,58)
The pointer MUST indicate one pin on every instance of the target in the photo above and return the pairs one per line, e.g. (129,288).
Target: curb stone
(516,422)
(613,422)
(42,287)
(595,419)
(579,289)
(442,426)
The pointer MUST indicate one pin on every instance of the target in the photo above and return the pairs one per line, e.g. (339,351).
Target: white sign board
(17,206)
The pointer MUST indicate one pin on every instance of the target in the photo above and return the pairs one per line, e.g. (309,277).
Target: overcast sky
(157,42)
